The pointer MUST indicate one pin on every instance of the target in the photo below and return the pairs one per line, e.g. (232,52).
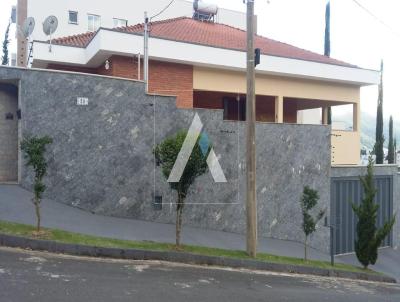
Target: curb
(180,257)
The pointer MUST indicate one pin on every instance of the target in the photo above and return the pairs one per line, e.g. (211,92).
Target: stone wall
(101,159)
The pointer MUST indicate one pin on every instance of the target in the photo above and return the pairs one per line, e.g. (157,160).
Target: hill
(368,123)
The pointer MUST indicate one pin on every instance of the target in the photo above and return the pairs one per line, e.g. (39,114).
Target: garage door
(347,190)
(8,133)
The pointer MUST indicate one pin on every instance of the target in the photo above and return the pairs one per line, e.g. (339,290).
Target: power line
(163,10)
(376,18)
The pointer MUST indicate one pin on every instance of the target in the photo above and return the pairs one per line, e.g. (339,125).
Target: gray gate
(344,191)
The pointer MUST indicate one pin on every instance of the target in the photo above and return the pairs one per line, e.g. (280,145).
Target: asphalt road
(36,276)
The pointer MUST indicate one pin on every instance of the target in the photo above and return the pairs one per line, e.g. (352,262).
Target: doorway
(8,133)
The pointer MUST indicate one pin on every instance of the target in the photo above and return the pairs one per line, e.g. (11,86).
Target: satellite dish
(28,27)
(50,25)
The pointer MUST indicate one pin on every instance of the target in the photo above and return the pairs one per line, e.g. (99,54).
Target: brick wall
(172,79)
(164,78)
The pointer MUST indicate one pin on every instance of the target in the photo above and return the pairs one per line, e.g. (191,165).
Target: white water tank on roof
(205,8)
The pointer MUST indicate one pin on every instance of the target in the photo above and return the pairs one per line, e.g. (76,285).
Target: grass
(23,230)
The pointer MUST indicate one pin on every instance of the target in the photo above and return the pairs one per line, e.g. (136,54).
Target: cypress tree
(327,51)
(395,150)
(379,138)
(327,48)
(391,151)
(369,237)
(5,57)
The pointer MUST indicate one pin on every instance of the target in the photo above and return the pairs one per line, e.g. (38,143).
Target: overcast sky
(356,36)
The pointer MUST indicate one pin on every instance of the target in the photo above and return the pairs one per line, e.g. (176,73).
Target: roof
(188,30)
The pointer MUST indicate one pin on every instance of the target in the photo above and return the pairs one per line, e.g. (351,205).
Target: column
(325,115)
(356,117)
(279,109)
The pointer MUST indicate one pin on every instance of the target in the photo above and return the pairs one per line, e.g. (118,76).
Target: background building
(77,16)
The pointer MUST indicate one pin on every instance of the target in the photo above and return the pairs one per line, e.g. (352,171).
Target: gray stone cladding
(102,156)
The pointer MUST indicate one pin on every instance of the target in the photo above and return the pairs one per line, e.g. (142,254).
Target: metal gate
(345,191)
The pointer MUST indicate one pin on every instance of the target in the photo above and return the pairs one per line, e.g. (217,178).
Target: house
(105,127)
(77,16)
(203,64)
(104,130)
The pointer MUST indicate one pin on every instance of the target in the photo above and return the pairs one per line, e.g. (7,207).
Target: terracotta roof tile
(188,30)
(81,40)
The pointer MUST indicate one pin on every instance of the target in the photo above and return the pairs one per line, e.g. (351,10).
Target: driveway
(15,206)
(388,262)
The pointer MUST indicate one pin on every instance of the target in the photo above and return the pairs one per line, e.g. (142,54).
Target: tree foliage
(391,147)
(34,149)
(308,202)
(369,237)
(379,138)
(166,154)
(327,45)
(5,58)
(327,48)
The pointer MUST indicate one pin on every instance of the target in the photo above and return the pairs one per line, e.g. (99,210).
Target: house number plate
(82,101)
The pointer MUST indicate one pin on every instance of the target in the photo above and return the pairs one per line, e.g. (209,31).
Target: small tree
(369,237)
(34,149)
(5,57)
(166,154)
(308,202)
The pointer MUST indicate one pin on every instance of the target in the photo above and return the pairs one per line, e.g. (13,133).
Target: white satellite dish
(28,27)
(49,27)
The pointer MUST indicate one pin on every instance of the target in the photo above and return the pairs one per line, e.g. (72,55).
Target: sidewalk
(16,206)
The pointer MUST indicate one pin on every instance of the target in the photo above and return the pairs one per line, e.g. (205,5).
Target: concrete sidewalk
(16,206)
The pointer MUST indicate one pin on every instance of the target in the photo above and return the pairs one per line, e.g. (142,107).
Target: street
(37,276)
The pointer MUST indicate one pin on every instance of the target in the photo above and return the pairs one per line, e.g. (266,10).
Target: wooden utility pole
(146,52)
(251,202)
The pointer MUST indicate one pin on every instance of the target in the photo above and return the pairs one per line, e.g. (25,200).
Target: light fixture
(107,65)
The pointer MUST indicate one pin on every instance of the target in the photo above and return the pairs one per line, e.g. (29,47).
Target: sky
(356,36)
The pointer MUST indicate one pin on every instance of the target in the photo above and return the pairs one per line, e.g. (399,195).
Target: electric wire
(376,18)
(163,10)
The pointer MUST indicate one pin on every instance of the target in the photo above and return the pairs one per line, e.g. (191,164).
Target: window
(120,22)
(73,17)
(93,22)
(234,110)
